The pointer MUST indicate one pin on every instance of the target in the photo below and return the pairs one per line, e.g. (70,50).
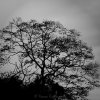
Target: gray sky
(83,15)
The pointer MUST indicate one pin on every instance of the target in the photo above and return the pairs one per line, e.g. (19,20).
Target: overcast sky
(83,15)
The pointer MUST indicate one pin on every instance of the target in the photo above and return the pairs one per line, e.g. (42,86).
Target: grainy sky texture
(83,15)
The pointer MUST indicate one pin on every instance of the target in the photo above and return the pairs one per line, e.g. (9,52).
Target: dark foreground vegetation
(13,88)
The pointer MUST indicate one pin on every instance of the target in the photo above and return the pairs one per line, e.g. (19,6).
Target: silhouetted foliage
(46,54)
(10,86)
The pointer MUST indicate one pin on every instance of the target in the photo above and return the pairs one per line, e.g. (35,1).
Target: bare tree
(48,50)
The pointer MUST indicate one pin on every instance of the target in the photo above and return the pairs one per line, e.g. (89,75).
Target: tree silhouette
(50,51)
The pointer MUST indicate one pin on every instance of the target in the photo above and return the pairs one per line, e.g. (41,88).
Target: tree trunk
(42,83)
(42,77)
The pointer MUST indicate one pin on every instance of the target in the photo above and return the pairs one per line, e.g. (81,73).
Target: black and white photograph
(50,49)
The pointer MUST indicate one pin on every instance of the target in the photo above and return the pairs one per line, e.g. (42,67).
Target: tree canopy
(50,51)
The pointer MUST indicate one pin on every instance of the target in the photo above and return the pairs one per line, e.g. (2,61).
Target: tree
(49,50)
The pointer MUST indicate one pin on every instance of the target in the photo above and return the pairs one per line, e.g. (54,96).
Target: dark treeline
(13,88)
